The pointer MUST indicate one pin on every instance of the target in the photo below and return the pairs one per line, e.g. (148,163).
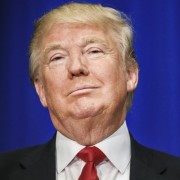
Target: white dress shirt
(115,167)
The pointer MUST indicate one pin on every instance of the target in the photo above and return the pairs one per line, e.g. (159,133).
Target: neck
(91,130)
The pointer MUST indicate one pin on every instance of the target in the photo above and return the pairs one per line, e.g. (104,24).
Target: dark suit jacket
(38,163)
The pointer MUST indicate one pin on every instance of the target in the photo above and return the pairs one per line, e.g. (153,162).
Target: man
(84,70)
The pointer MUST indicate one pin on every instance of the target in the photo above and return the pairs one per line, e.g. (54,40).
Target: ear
(132,79)
(40,91)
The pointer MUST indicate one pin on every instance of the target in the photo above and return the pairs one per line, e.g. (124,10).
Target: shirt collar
(117,148)
(116,145)
(66,150)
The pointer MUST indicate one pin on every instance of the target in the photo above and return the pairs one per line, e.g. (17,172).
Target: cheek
(113,74)
(113,81)
(54,82)
(116,79)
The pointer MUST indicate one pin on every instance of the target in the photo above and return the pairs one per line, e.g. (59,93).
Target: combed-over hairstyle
(108,18)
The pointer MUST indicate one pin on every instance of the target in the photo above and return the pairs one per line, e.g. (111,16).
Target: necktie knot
(92,156)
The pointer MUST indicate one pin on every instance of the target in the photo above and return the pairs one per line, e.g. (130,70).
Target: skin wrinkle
(88,116)
(62,46)
(102,131)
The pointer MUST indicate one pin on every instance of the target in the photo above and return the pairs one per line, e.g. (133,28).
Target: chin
(84,113)
(85,109)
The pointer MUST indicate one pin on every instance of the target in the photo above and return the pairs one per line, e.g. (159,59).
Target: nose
(77,66)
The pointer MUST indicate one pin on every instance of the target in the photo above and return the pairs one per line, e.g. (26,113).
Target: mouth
(82,90)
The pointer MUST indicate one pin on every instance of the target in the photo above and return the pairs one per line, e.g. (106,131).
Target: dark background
(154,119)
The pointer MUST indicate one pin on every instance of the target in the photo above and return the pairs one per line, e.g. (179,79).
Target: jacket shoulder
(158,155)
(166,164)
(12,160)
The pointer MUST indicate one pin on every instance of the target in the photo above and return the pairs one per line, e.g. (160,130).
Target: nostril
(78,71)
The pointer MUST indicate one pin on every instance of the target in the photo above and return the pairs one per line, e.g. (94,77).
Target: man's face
(84,83)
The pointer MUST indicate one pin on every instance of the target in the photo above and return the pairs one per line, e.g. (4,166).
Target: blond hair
(105,17)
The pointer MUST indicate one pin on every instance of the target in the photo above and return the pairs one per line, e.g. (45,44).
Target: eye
(57,59)
(94,52)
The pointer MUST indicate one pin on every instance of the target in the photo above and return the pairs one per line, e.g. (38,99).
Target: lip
(82,90)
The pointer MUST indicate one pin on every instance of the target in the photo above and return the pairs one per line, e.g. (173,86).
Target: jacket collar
(145,164)
(39,164)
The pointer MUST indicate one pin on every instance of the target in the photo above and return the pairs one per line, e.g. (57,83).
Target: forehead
(80,34)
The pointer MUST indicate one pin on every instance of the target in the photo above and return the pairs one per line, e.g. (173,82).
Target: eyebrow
(92,40)
(52,47)
(85,42)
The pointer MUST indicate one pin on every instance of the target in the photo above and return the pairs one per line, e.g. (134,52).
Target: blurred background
(154,119)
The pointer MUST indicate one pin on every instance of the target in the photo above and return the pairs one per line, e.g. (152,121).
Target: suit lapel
(144,166)
(38,164)
(140,171)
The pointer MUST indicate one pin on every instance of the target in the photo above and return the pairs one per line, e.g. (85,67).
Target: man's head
(111,20)
(83,66)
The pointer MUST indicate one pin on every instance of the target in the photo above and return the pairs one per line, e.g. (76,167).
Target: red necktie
(92,156)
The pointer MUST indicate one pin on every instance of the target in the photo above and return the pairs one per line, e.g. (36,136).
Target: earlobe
(132,79)
(40,91)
